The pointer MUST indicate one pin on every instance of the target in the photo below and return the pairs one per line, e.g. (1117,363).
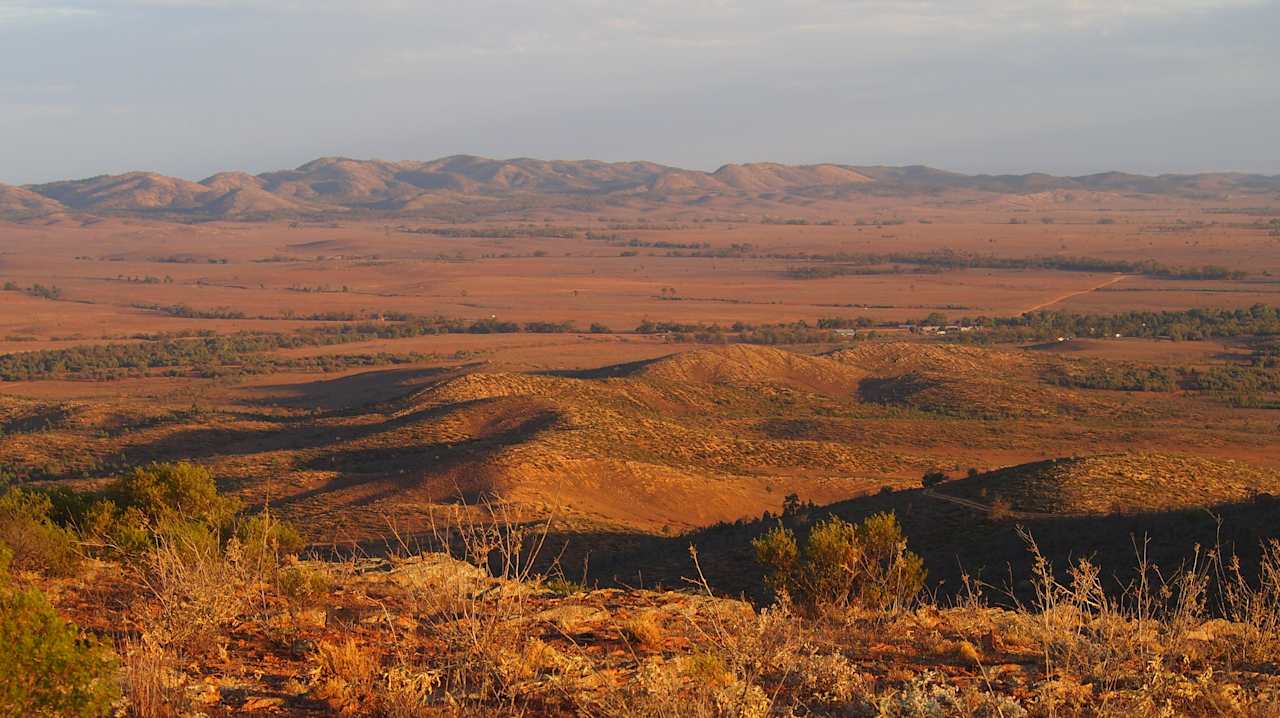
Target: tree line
(943,259)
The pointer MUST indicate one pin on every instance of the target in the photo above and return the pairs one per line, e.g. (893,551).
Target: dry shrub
(1063,696)
(195,590)
(642,630)
(346,676)
(1001,509)
(753,645)
(409,693)
(738,651)
(351,679)
(968,653)
(265,544)
(154,686)
(475,611)
(482,661)
(1163,693)
(1086,632)
(928,695)
(197,586)
(1151,649)
(303,585)
(830,680)
(1256,608)
(481,616)
(690,686)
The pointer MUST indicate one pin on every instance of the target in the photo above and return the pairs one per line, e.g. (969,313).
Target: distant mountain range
(468,185)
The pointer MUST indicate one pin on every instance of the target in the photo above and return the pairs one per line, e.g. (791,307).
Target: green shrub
(34,541)
(264,539)
(843,563)
(302,585)
(48,668)
(181,490)
(106,529)
(778,552)
(178,501)
(933,477)
(832,556)
(67,507)
(191,542)
(178,505)
(891,575)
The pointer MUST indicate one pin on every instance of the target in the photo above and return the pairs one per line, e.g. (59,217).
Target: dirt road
(1065,297)
(986,508)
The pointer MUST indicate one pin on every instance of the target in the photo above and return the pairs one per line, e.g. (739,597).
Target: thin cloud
(11,12)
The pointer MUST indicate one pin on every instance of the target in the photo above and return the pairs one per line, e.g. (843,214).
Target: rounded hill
(1118,483)
(959,381)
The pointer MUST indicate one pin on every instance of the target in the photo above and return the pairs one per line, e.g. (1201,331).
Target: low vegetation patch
(941,259)
(842,564)
(229,621)
(48,667)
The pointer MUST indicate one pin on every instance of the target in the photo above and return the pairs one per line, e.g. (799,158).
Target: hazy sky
(189,87)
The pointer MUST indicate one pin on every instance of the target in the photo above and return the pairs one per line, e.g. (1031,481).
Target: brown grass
(643,631)
(153,683)
(429,635)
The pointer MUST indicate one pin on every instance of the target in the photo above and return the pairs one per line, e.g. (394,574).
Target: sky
(192,87)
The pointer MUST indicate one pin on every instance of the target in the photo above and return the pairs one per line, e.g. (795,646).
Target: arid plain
(578,284)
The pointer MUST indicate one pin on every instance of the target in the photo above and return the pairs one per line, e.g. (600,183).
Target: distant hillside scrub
(1121,377)
(1230,379)
(243,351)
(800,332)
(952,259)
(494,232)
(215,355)
(1198,323)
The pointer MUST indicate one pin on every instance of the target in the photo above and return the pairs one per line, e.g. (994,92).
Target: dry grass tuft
(643,630)
(192,592)
(153,685)
(346,676)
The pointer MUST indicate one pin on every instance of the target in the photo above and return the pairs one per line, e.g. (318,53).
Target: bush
(843,563)
(197,589)
(778,552)
(1001,509)
(265,540)
(182,490)
(190,542)
(67,507)
(48,668)
(33,540)
(892,575)
(122,534)
(933,478)
(302,585)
